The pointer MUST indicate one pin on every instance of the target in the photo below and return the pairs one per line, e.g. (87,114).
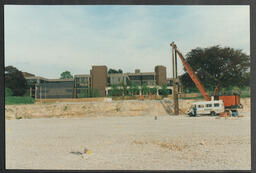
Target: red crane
(192,74)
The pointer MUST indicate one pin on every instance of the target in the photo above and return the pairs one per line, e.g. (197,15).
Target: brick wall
(160,75)
(99,79)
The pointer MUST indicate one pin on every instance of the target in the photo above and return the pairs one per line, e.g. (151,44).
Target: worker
(194,109)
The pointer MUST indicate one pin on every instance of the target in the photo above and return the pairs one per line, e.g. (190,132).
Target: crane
(192,74)
(231,102)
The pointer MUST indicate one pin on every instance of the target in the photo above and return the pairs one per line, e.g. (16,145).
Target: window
(134,77)
(200,106)
(208,105)
(147,77)
(216,104)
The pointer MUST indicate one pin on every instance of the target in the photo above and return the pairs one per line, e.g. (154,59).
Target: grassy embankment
(12,100)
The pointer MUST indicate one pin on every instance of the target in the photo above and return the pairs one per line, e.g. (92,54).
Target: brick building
(97,83)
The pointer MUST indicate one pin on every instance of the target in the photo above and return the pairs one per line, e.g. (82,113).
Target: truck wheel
(213,113)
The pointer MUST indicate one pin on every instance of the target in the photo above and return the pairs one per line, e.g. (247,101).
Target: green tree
(84,93)
(164,91)
(8,92)
(66,75)
(246,79)
(111,71)
(115,91)
(145,90)
(130,91)
(217,66)
(15,80)
(125,89)
(96,93)
(135,89)
(153,90)
(89,92)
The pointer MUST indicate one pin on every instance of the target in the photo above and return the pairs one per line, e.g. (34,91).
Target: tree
(153,90)
(217,66)
(66,75)
(164,91)
(246,79)
(115,91)
(125,89)
(89,92)
(145,90)
(112,71)
(134,88)
(8,92)
(96,93)
(15,80)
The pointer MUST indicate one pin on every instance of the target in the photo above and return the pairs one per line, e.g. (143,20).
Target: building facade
(97,83)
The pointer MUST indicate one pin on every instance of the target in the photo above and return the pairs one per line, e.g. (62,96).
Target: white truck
(213,107)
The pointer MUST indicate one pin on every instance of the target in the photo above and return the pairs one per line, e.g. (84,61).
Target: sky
(48,40)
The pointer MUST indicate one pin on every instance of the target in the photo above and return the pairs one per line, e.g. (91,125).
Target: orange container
(232,100)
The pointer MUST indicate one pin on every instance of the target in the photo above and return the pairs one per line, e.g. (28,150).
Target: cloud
(58,38)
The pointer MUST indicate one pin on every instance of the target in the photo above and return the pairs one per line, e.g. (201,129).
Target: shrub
(115,91)
(135,89)
(96,93)
(145,90)
(84,93)
(8,92)
(164,90)
(153,90)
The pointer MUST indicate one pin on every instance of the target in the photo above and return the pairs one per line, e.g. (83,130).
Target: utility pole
(175,79)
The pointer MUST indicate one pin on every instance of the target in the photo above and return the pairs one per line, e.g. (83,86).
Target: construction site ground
(118,138)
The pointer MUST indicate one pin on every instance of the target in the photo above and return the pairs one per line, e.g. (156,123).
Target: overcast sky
(47,40)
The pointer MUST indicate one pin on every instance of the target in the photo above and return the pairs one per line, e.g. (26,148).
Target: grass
(12,100)
(189,98)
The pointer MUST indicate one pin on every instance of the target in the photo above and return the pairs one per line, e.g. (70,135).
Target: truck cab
(213,107)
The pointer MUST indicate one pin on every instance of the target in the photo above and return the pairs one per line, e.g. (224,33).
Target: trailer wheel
(213,113)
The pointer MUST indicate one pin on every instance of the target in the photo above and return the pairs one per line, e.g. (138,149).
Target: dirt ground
(102,108)
(129,143)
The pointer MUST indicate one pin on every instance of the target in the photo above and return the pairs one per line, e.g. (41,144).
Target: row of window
(209,105)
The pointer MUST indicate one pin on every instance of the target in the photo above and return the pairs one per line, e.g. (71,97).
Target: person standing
(194,110)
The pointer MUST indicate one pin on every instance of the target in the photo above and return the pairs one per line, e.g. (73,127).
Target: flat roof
(142,73)
(117,74)
(82,75)
(50,80)
(131,74)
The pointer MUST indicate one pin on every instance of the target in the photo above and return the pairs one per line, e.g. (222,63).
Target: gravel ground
(129,143)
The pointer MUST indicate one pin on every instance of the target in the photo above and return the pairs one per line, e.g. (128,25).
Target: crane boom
(192,74)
